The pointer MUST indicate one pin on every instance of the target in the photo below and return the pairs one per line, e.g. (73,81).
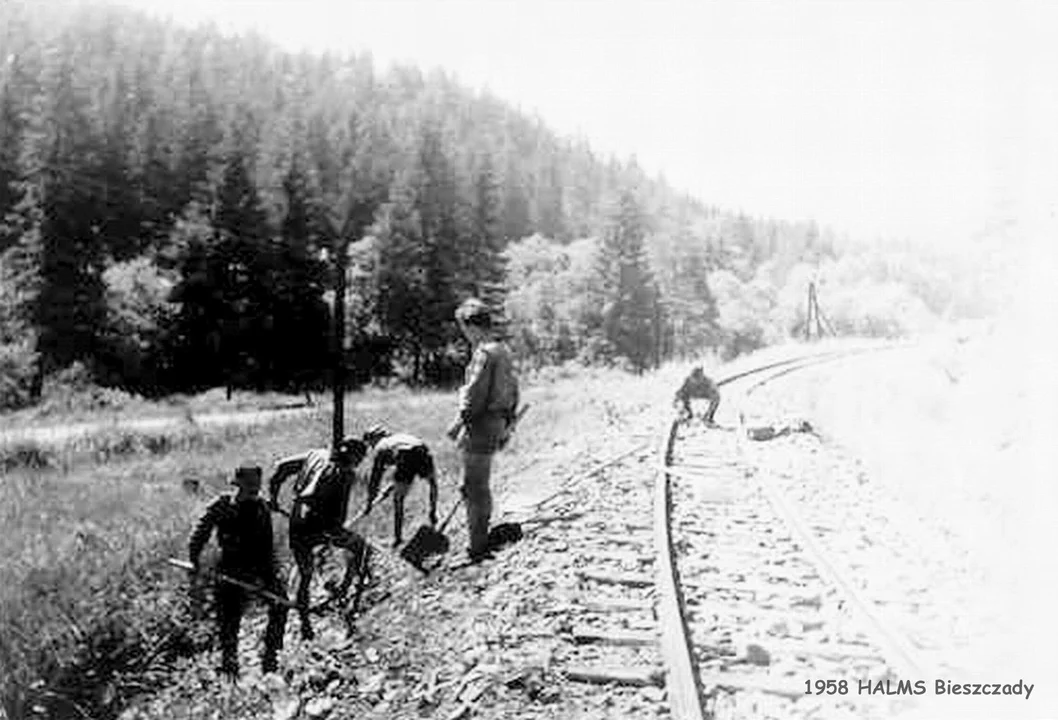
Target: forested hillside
(173,203)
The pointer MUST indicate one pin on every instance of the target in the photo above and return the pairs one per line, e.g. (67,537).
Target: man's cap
(247,473)
(472,308)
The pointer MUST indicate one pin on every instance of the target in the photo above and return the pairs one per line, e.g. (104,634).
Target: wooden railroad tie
(605,605)
(619,555)
(627,579)
(628,676)
(637,638)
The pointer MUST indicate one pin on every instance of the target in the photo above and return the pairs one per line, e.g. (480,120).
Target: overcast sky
(919,119)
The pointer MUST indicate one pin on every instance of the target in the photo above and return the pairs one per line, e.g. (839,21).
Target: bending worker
(410,458)
(698,385)
(323,482)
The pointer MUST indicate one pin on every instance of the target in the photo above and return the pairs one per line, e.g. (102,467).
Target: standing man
(411,458)
(244,532)
(698,385)
(488,401)
(321,501)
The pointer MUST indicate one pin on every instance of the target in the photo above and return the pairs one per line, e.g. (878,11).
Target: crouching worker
(410,458)
(488,402)
(247,554)
(698,386)
(324,479)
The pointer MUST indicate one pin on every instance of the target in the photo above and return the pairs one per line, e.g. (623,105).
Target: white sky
(917,118)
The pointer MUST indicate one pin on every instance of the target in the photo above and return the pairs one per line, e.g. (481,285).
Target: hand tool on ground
(427,541)
(250,587)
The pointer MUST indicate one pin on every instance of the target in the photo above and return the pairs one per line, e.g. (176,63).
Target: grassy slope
(82,556)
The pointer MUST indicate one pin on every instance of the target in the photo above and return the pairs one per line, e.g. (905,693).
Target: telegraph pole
(338,343)
(815,315)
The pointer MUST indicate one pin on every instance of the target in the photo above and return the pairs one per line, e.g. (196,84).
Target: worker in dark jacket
(488,402)
(323,481)
(698,385)
(244,533)
(410,458)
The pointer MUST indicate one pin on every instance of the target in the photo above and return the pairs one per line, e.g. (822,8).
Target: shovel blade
(426,542)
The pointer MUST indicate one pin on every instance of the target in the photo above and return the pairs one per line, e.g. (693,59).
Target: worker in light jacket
(488,402)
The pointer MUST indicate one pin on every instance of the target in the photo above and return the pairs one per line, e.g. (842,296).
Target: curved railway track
(687,589)
(698,587)
(759,616)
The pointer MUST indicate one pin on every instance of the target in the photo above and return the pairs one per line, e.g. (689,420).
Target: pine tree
(401,271)
(690,304)
(631,310)
(436,201)
(247,263)
(10,143)
(484,271)
(199,300)
(57,219)
(299,283)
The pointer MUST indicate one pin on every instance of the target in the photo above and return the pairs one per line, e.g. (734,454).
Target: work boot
(475,556)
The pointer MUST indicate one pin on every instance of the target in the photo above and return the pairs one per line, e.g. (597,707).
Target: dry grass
(90,404)
(90,615)
(91,521)
(88,608)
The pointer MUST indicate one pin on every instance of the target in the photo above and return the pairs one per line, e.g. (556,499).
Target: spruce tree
(56,219)
(299,283)
(484,266)
(631,311)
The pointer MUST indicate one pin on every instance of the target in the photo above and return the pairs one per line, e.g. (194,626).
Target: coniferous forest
(176,205)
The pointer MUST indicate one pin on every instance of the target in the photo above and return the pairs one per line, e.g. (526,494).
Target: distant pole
(819,314)
(808,314)
(338,346)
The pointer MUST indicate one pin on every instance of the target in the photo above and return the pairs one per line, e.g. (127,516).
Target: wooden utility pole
(808,311)
(338,342)
(814,316)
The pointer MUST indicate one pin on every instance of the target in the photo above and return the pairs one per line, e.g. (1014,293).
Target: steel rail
(682,676)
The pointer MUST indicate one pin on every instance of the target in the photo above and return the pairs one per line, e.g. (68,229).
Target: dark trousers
(714,403)
(231,603)
(304,538)
(477,467)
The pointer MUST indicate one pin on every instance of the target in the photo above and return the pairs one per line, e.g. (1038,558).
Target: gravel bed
(759,611)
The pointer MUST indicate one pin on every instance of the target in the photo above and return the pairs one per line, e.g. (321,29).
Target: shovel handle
(256,589)
(451,513)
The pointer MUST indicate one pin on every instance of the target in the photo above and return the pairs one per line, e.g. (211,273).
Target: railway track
(766,611)
(696,595)
(698,589)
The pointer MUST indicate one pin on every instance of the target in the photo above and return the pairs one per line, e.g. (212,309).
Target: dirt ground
(461,644)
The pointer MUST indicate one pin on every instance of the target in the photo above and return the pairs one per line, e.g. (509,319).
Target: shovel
(427,541)
(250,587)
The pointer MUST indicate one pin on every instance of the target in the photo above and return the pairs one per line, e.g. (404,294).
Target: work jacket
(488,398)
(244,533)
